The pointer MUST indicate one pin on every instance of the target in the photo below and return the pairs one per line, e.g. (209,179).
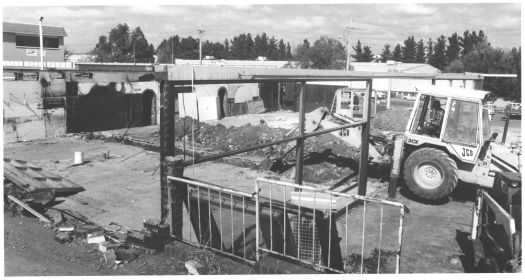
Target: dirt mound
(226,139)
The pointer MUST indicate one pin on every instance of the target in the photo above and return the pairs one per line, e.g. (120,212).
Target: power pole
(200,43)
(41,44)
(172,60)
(347,31)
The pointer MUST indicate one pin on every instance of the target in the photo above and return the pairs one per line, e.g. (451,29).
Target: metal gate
(217,218)
(327,230)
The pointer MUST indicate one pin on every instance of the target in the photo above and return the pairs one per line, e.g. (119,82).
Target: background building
(22,42)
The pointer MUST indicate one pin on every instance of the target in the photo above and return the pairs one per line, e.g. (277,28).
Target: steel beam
(365,134)
(299,156)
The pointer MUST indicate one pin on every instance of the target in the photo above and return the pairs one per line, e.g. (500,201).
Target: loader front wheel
(430,174)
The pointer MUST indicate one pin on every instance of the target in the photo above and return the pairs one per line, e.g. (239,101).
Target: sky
(374,24)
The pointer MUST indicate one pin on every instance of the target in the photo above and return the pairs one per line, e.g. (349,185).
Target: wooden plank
(31,210)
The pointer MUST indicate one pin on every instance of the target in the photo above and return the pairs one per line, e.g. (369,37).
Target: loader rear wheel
(430,173)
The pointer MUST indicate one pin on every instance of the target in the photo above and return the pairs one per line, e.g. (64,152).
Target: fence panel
(218,218)
(327,230)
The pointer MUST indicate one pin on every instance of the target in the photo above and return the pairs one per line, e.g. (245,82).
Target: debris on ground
(194,267)
(29,209)
(63,237)
(385,258)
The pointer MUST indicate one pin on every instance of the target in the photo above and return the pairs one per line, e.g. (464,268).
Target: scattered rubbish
(194,267)
(106,246)
(119,225)
(66,229)
(110,257)
(125,254)
(95,239)
(31,210)
(105,155)
(79,158)
(56,216)
(63,237)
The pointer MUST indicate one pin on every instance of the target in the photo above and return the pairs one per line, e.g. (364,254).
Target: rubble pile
(111,243)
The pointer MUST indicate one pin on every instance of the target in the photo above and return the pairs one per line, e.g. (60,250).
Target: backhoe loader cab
(447,138)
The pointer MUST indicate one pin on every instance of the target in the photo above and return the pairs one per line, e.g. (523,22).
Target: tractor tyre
(430,174)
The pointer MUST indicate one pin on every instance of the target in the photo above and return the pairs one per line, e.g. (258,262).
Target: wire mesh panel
(327,230)
(217,218)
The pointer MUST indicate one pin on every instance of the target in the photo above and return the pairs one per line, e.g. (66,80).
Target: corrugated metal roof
(33,29)
(33,178)
(235,63)
(210,74)
(454,92)
(459,76)
(395,67)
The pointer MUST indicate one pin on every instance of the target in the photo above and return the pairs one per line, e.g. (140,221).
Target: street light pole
(347,29)
(41,44)
(200,43)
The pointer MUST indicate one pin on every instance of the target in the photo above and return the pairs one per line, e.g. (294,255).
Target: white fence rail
(37,64)
(328,230)
(325,230)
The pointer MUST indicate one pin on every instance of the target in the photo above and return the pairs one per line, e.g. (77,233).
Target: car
(515,110)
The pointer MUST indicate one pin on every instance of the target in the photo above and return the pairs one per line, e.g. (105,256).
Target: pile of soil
(234,138)
(327,158)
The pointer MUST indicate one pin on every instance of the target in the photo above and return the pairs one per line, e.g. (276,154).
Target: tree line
(470,52)
(123,45)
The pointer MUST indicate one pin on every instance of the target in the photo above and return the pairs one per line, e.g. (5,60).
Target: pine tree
(409,50)
(281,50)
(439,58)
(289,55)
(367,54)
(430,50)
(226,49)
(454,47)
(386,54)
(358,49)
(420,52)
(264,44)
(302,54)
(247,52)
(397,53)
(273,52)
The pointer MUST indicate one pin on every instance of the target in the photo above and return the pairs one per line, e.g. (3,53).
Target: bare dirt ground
(124,188)
(430,230)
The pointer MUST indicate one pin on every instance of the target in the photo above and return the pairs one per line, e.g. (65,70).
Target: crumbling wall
(22,117)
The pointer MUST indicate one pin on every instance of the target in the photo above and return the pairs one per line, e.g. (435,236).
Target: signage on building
(34,52)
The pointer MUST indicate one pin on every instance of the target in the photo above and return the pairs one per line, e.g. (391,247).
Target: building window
(34,42)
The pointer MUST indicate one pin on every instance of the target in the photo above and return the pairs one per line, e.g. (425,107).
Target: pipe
(41,44)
